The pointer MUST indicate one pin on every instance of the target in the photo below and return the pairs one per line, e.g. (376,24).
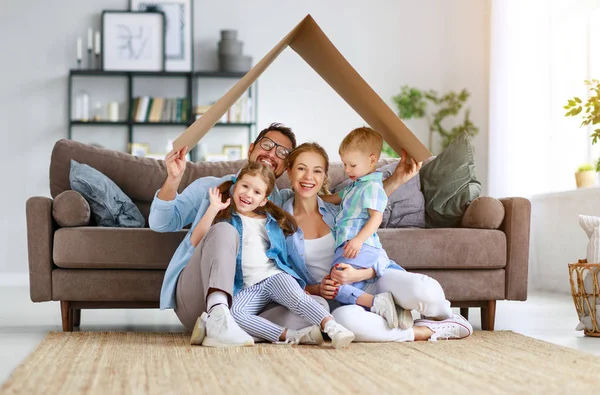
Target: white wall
(432,44)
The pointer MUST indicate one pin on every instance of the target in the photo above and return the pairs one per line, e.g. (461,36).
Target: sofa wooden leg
(76,317)
(67,316)
(488,316)
(464,311)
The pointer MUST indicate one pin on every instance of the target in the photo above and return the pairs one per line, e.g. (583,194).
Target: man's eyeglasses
(267,144)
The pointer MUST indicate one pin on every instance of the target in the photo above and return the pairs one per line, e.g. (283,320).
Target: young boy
(361,212)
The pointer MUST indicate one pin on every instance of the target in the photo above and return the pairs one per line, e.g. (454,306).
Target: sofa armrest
(516,226)
(40,235)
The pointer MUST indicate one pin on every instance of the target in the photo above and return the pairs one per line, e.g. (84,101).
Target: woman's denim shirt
(277,251)
(295,244)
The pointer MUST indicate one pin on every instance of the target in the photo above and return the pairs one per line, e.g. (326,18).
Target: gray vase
(231,56)
(235,63)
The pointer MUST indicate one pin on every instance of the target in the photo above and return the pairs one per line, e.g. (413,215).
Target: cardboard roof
(308,40)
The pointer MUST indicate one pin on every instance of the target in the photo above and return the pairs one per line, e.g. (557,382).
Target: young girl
(262,272)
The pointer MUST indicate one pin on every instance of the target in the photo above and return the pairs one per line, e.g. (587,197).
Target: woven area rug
(163,363)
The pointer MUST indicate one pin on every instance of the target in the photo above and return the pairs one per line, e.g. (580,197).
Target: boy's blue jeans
(366,258)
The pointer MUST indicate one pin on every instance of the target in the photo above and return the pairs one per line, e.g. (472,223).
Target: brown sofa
(87,267)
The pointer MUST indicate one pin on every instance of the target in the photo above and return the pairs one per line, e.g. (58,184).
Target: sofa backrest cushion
(140,178)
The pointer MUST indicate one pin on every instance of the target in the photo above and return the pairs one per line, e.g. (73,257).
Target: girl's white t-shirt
(318,255)
(256,266)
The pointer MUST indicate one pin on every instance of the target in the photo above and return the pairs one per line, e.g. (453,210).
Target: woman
(311,248)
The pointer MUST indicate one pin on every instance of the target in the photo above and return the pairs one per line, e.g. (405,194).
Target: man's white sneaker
(308,335)
(405,318)
(199,331)
(383,305)
(222,330)
(340,336)
(455,327)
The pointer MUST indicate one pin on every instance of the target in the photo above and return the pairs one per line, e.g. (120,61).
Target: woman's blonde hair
(286,221)
(317,149)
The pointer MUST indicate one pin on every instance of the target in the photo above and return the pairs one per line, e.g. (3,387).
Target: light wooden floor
(23,324)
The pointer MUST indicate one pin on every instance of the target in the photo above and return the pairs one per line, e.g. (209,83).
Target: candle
(113,111)
(79,49)
(97,43)
(89,39)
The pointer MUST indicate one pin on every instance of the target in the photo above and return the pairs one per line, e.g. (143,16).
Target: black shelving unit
(190,77)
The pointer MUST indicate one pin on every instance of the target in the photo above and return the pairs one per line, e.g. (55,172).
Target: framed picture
(139,150)
(179,33)
(133,41)
(233,152)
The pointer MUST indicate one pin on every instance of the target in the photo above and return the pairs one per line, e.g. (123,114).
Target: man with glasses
(201,279)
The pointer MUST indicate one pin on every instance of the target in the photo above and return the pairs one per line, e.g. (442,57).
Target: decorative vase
(231,56)
(585,179)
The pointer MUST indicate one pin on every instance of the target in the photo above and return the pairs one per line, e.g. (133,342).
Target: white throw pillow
(591,226)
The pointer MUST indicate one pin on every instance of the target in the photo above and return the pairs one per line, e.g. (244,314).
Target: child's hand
(342,273)
(215,199)
(352,248)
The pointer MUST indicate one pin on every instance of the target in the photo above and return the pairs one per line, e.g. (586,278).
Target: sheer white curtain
(540,55)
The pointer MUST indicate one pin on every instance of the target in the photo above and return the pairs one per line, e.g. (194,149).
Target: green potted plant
(414,103)
(586,175)
(591,116)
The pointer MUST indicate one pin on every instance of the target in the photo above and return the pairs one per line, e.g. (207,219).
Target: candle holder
(90,59)
(98,63)
(79,64)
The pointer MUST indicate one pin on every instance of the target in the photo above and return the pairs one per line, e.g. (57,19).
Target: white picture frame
(233,152)
(179,30)
(133,41)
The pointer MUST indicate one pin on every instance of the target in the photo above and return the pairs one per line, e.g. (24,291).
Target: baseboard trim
(14,279)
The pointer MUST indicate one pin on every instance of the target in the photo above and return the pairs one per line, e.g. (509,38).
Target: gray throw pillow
(110,206)
(449,184)
(406,205)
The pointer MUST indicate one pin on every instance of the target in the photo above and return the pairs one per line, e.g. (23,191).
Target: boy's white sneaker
(308,335)
(455,327)
(383,305)
(405,318)
(340,336)
(222,330)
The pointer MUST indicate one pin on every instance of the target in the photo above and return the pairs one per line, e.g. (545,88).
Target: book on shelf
(239,112)
(159,109)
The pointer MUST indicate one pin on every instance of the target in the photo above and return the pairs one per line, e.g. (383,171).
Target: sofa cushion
(483,213)
(71,209)
(93,247)
(107,285)
(470,285)
(449,184)
(445,248)
(110,206)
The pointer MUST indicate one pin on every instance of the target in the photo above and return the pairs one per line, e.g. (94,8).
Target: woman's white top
(256,266)
(318,255)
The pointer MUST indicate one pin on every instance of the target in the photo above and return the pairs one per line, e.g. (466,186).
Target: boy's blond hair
(363,139)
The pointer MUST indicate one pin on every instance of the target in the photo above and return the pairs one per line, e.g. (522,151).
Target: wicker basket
(584,294)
